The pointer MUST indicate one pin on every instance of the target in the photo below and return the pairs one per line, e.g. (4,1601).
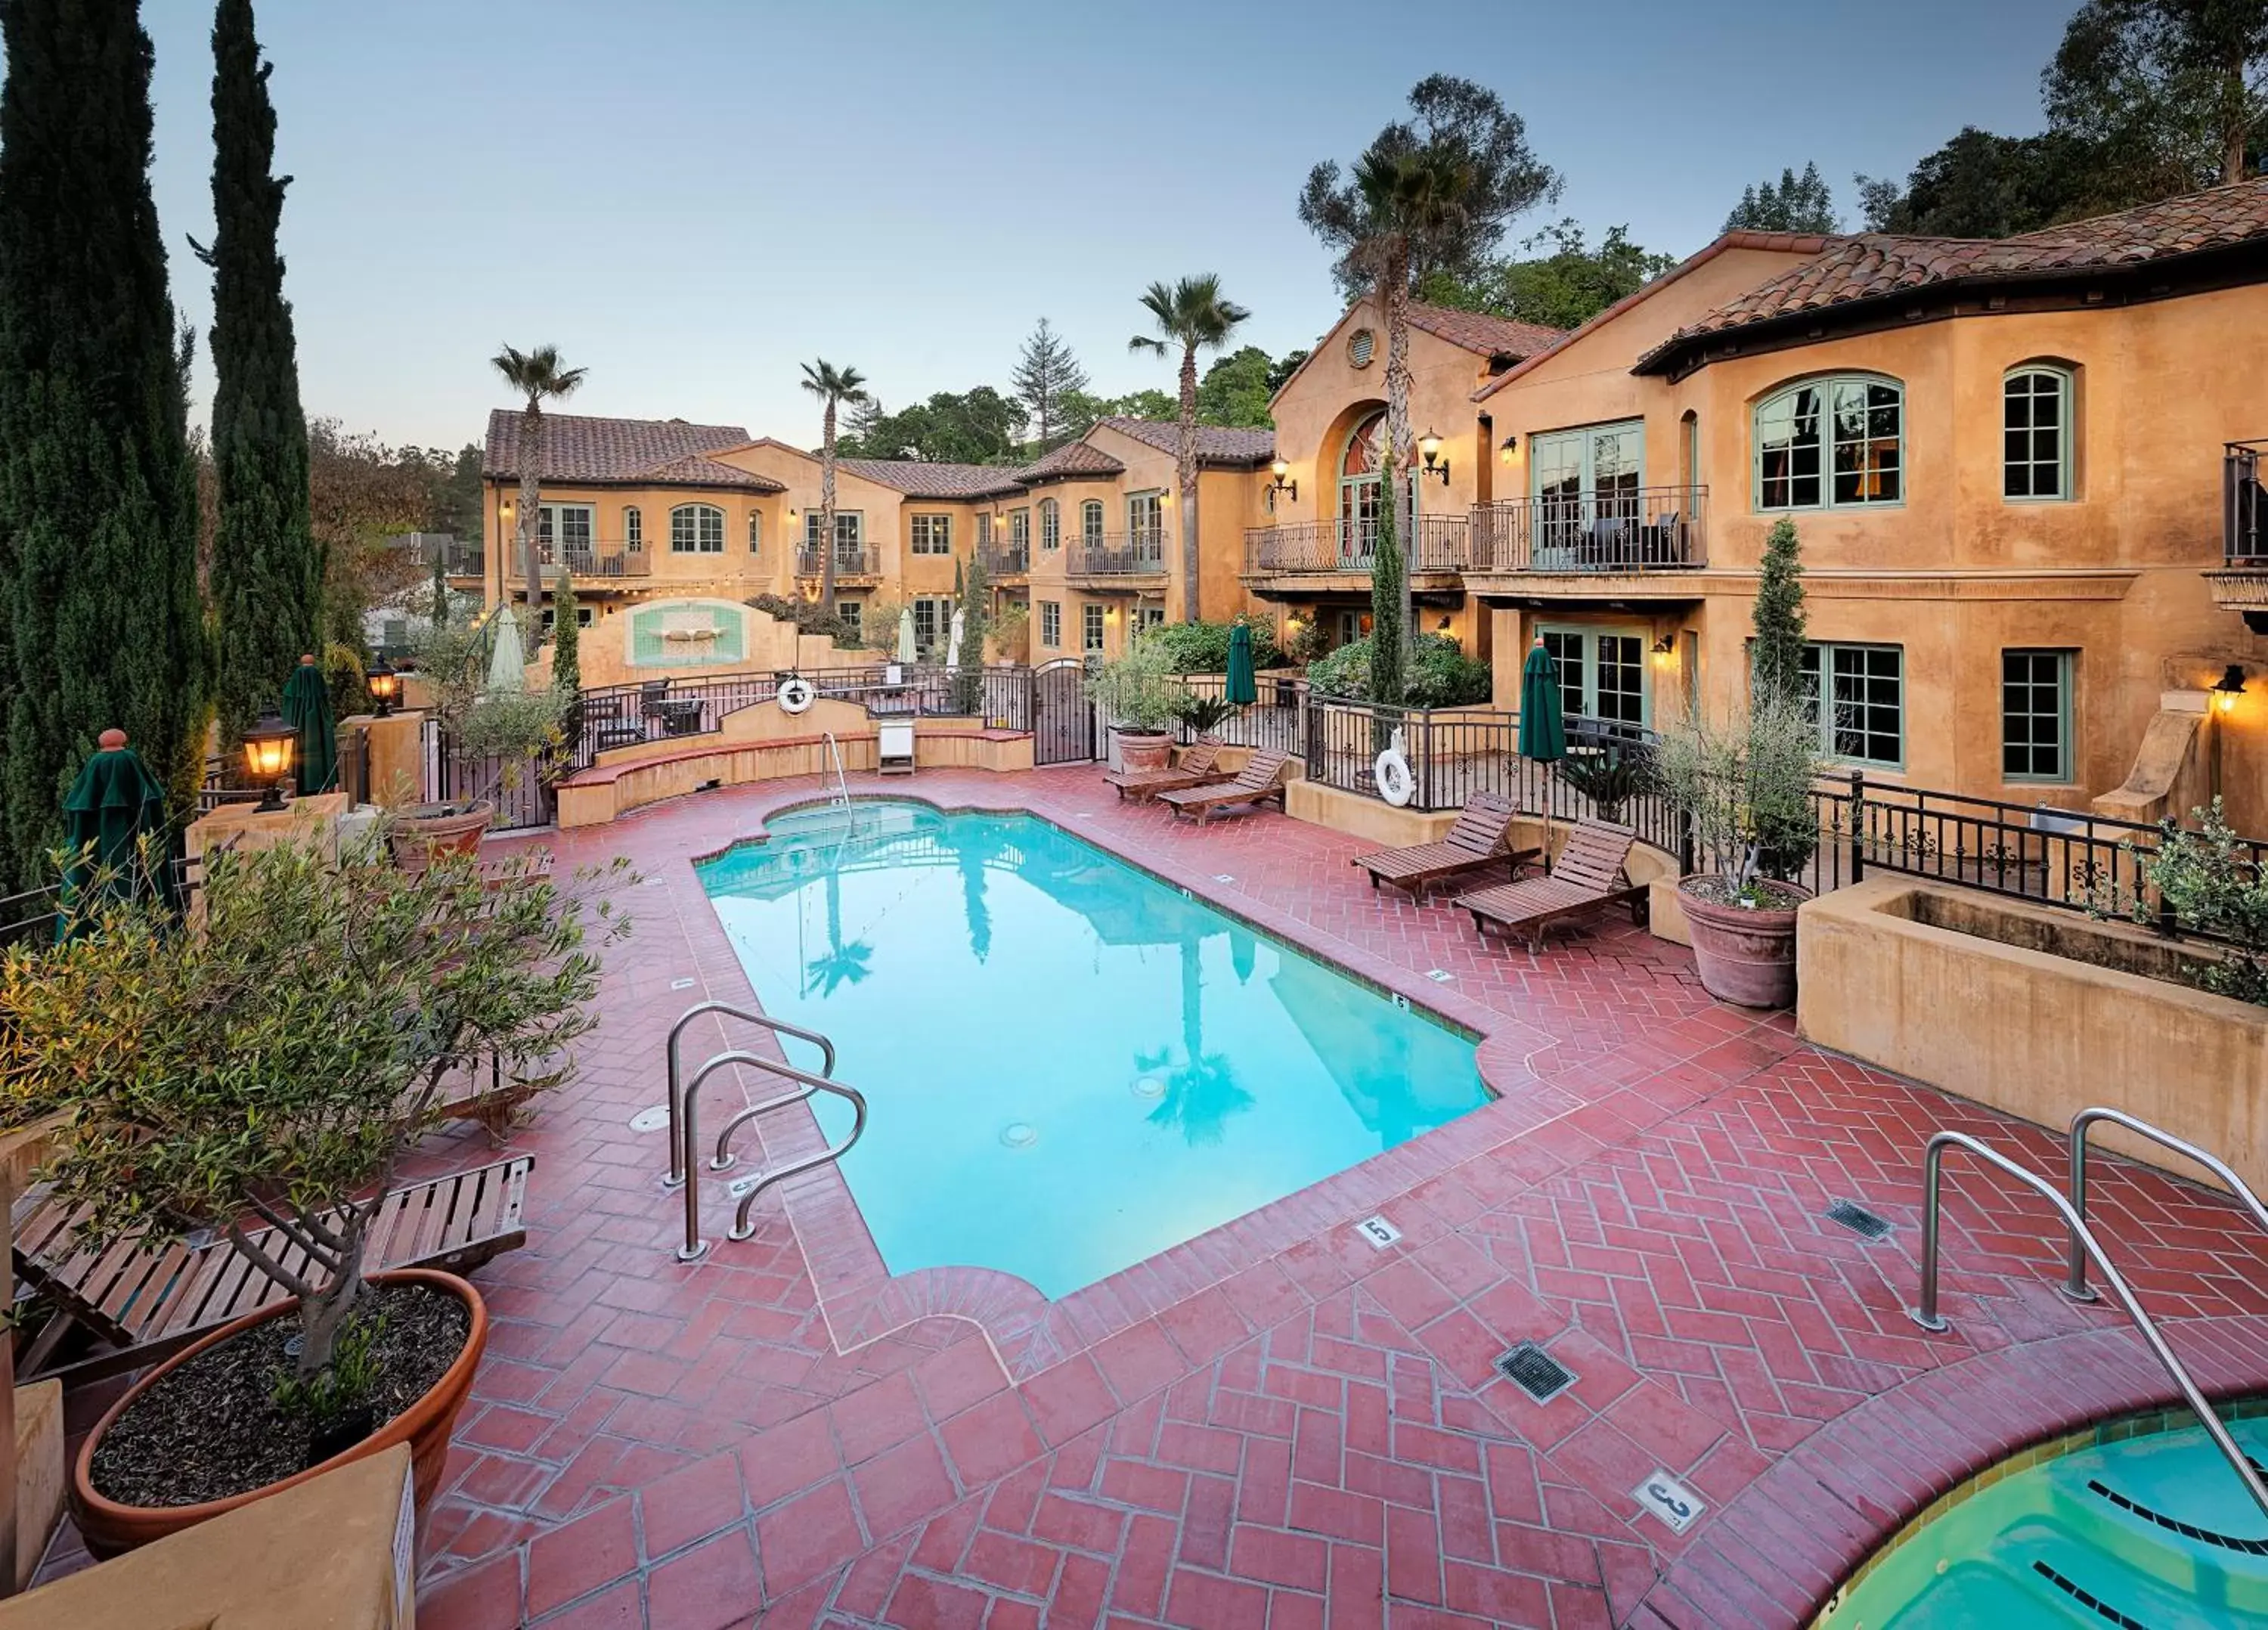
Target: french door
(1602,674)
(1581,478)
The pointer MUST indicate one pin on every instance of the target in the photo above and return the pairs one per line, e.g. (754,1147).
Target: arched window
(755,532)
(697,529)
(1360,490)
(1831,443)
(1089,523)
(633,530)
(2035,418)
(1051,524)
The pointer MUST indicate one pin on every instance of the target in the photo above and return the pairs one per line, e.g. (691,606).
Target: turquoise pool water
(1069,1065)
(2152,1530)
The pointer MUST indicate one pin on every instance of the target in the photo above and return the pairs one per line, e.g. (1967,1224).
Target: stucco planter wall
(1997,1014)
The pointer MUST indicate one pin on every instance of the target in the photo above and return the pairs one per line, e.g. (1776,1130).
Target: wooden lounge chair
(1474,844)
(1261,781)
(1588,878)
(143,1305)
(1196,769)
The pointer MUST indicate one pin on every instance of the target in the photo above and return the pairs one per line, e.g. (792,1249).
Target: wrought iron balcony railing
(1311,548)
(1116,555)
(1007,560)
(863,562)
(2244,507)
(596,560)
(1641,529)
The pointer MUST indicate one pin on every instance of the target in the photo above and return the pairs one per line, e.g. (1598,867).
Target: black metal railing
(1116,555)
(1276,719)
(1644,530)
(1313,547)
(1006,560)
(865,561)
(597,560)
(2243,505)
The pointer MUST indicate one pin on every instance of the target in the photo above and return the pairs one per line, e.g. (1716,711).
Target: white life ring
(796,693)
(1395,783)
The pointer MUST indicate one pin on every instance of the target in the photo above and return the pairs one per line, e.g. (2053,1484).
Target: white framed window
(849,530)
(1051,524)
(633,529)
(1090,627)
(984,530)
(933,534)
(565,525)
(1831,443)
(849,611)
(755,532)
(1864,718)
(1146,522)
(2036,715)
(551,617)
(1050,625)
(1090,522)
(1020,529)
(697,529)
(2036,422)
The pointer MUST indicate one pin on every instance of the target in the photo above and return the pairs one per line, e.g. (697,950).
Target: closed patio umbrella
(1542,725)
(307,709)
(953,645)
(112,805)
(1239,688)
(906,650)
(507,663)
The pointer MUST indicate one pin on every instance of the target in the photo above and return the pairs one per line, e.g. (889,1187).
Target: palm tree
(1193,315)
(1431,195)
(835,386)
(535,374)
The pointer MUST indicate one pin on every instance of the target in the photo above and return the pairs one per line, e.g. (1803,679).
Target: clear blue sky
(691,196)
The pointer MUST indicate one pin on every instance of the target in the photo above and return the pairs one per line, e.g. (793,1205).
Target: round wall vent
(1361,346)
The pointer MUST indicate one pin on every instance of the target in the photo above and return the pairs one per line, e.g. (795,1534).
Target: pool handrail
(2076,1287)
(679,1157)
(694,1246)
(1927,1316)
(842,792)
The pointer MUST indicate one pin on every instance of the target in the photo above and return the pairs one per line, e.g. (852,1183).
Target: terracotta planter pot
(1746,956)
(1144,750)
(426,832)
(426,1425)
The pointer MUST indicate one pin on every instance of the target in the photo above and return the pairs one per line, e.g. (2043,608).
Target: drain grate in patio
(1859,1220)
(1536,1372)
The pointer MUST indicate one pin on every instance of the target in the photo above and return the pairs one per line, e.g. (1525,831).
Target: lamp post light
(268,748)
(385,687)
(1429,448)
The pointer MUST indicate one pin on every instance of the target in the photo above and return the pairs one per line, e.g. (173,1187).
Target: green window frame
(1867,684)
(2035,433)
(1020,529)
(849,611)
(1051,625)
(1145,519)
(1603,673)
(932,622)
(1090,627)
(1147,617)
(697,529)
(933,534)
(1090,522)
(1051,524)
(2036,737)
(633,530)
(849,529)
(755,532)
(1831,443)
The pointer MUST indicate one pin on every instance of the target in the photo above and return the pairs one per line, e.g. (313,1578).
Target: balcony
(1348,548)
(864,562)
(1116,555)
(1604,534)
(2241,583)
(1006,560)
(595,562)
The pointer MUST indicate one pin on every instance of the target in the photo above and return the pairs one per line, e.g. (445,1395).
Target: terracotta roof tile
(581,447)
(1216,444)
(1484,335)
(1073,458)
(693,470)
(919,480)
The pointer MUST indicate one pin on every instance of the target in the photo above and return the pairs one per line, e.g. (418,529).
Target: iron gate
(1063,719)
(522,799)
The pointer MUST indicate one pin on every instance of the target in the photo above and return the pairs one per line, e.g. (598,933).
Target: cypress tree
(1777,668)
(1388,609)
(267,566)
(99,621)
(566,640)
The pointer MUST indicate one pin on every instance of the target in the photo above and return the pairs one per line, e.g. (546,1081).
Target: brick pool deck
(1277,1425)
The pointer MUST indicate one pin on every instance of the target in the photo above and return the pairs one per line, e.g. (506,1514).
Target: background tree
(1234,391)
(1563,286)
(1434,193)
(833,387)
(100,620)
(538,376)
(1045,372)
(267,569)
(566,640)
(1777,660)
(1193,315)
(1795,203)
(1280,371)
(2169,93)
(1980,184)
(978,426)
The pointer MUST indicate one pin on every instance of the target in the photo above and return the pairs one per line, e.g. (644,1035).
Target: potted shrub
(260,1075)
(1745,792)
(1145,698)
(503,728)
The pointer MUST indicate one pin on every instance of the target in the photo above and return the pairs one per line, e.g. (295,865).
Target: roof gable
(1217,443)
(585,447)
(1477,332)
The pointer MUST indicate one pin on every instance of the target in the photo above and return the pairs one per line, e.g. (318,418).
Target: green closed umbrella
(1239,688)
(1542,725)
(113,804)
(307,710)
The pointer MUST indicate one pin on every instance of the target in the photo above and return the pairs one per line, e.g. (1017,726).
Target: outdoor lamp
(385,687)
(1289,489)
(1511,446)
(2228,688)
(268,749)
(1664,649)
(1429,447)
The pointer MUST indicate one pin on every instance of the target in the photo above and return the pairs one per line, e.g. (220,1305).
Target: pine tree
(266,583)
(1795,203)
(1389,623)
(1776,665)
(99,621)
(1045,373)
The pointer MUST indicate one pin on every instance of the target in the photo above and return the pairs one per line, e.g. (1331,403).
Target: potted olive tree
(256,1076)
(1145,698)
(505,727)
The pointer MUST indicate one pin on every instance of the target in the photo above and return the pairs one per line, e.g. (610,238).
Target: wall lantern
(1510,446)
(1429,448)
(1665,650)
(385,687)
(2228,688)
(269,747)
(1289,489)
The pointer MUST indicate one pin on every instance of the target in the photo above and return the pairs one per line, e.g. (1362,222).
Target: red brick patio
(1276,1424)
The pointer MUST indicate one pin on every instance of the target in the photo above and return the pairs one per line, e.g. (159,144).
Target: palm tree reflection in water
(1202,1093)
(843,965)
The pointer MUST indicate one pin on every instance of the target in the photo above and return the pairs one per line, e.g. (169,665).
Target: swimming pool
(2143,1526)
(1071,1064)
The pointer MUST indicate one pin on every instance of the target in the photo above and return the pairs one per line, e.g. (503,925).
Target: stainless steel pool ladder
(2083,1245)
(685,1120)
(842,792)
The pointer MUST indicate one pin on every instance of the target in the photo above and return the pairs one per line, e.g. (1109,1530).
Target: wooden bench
(1474,844)
(1586,879)
(145,1305)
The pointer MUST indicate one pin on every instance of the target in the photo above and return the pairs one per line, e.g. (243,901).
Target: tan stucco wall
(38,1472)
(2038,1035)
